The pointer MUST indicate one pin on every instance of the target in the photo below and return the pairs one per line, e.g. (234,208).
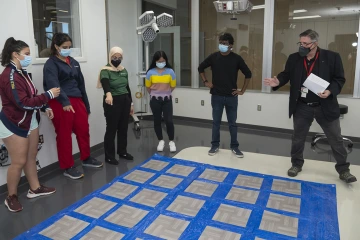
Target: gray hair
(313,35)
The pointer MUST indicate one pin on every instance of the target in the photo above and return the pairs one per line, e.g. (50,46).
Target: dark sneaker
(111,161)
(213,151)
(73,173)
(13,204)
(92,163)
(293,171)
(126,156)
(41,191)
(347,177)
(238,153)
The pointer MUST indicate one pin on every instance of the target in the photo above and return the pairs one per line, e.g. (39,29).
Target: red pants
(65,124)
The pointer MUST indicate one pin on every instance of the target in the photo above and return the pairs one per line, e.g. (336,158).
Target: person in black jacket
(71,108)
(225,66)
(304,105)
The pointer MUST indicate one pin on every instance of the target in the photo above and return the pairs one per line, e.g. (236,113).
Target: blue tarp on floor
(166,198)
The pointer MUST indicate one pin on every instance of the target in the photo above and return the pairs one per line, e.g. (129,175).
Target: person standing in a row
(71,108)
(117,104)
(160,83)
(19,120)
(305,106)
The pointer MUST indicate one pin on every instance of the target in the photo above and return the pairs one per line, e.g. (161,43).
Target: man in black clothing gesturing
(225,66)
(305,105)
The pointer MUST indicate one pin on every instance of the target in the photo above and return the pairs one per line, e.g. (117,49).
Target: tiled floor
(189,135)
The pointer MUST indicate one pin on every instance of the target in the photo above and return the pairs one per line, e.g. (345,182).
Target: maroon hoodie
(19,100)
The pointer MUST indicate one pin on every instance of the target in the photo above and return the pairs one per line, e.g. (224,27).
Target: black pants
(161,107)
(303,118)
(117,122)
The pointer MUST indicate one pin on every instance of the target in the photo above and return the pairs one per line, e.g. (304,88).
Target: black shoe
(293,171)
(112,161)
(347,177)
(126,156)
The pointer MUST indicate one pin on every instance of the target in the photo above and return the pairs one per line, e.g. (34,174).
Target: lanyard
(312,65)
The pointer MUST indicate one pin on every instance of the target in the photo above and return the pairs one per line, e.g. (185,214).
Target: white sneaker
(172,146)
(161,146)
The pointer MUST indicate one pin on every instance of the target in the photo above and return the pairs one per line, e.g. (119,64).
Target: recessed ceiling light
(305,17)
(258,7)
(354,44)
(65,11)
(300,11)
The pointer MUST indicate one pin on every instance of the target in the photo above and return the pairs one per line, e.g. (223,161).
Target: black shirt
(224,72)
(310,96)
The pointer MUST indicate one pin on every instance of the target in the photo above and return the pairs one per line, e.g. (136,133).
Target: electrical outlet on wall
(259,107)
(202,102)
(176,100)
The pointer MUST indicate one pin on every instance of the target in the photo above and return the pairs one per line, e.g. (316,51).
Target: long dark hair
(156,58)
(58,39)
(11,45)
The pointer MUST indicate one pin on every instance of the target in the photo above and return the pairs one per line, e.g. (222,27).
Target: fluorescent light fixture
(306,17)
(300,11)
(65,11)
(258,7)
(354,44)
(357,34)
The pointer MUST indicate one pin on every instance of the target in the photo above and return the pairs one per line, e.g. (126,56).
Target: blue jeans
(231,105)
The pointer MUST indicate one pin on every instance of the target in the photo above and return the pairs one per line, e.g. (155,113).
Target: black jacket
(330,69)
(69,78)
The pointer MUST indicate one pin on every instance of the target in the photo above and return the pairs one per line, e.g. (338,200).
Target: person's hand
(325,94)
(237,92)
(55,92)
(132,110)
(272,82)
(209,84)
(109,99)
(50,113)
(69,109)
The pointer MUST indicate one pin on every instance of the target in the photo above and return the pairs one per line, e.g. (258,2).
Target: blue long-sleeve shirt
(68,77)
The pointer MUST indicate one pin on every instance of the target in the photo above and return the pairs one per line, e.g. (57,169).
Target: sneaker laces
(346,174)
(13,198)
(295,169)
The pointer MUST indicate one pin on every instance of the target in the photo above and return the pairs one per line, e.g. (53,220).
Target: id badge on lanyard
(304,90)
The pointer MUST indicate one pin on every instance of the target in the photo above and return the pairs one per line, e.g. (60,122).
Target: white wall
(94,44)
(274,109)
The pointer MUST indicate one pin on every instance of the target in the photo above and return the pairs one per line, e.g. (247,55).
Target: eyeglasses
(304,43)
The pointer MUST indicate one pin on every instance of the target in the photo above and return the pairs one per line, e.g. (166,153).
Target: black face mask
(304,51)
(116,63)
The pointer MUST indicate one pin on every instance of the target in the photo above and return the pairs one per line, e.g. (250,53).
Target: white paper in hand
(316,84)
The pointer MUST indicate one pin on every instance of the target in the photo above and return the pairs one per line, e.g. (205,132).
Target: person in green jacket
(117,105)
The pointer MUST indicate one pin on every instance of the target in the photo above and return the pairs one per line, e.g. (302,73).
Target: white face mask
(160,64)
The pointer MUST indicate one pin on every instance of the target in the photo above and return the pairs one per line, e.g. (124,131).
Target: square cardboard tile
(119,190)
(232,215)
(155,165)
(167,181)
(186,205)
(281,224)
(167,227)
(284,203)
(127,216)
(214,175)
(243,195)
(148,197)
(202,188)
(286,186)
(95,208)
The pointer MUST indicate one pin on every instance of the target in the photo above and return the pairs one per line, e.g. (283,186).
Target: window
(52,16)
(175,40)
(247,30)
(337,26)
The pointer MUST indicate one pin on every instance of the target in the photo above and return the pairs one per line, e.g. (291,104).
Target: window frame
(40,61)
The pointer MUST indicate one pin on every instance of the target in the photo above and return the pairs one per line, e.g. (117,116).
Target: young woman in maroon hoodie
(19,120)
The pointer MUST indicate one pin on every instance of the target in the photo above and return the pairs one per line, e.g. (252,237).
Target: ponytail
(11,45)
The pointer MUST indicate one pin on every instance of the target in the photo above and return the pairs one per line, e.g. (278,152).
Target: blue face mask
(223,48)
(26,61)
(160,64)
(65,52)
